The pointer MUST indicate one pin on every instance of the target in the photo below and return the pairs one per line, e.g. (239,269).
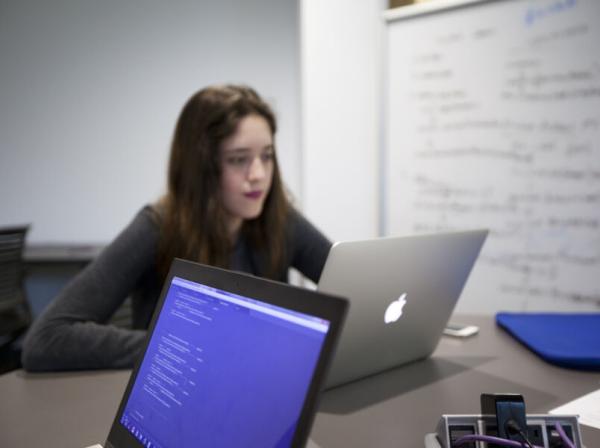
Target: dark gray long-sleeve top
(72,332)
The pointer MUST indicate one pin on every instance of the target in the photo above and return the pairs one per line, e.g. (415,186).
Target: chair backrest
(12,242)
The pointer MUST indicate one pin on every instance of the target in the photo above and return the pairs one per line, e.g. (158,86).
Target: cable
(564,437)
(513,428)
(490,439)
(524,436)
(506,442)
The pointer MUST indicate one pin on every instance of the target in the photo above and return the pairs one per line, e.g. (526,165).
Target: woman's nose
(256,171)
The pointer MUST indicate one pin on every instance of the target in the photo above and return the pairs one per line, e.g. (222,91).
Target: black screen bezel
(325,306)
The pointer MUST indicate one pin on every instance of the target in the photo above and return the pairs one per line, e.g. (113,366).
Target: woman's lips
(254,194)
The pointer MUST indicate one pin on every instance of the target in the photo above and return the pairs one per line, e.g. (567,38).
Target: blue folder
(569,340)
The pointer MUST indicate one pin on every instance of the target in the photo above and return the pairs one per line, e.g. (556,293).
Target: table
(392,409)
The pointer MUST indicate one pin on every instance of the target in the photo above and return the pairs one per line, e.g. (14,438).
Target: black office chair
(15,314)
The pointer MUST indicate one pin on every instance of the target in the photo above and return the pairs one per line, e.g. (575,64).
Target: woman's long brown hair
(193,220)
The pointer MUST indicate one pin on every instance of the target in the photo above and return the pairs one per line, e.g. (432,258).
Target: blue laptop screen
(223,370)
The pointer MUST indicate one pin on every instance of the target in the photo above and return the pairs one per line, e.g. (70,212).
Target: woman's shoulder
(300,229)
(307,246)
(296,219)
(145,226)
(294,216)
(151,213)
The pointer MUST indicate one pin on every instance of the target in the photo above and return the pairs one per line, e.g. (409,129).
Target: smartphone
(460,331)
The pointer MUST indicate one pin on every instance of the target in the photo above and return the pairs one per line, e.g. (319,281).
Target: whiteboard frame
(428,7)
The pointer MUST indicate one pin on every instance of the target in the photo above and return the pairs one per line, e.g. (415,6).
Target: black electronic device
(504,416)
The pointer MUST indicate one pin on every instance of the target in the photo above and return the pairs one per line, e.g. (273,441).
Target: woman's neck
(234,227)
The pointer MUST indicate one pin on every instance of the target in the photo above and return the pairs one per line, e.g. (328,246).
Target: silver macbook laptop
(402,291)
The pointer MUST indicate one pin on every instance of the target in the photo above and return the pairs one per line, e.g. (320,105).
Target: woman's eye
(237,160)
(267,156)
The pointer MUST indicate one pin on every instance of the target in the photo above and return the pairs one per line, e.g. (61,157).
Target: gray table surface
(392,409)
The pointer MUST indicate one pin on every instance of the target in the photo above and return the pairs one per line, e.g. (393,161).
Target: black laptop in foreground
(231,360)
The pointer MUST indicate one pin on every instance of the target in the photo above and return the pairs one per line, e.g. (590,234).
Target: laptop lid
(230,360)
(402,292)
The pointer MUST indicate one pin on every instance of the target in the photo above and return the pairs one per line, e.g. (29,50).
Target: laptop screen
(223,370)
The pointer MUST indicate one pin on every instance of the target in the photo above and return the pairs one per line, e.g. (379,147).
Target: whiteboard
(492,119)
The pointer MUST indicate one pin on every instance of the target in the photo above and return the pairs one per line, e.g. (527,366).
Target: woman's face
(247,160)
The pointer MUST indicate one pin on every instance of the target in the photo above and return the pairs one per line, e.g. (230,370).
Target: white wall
(340,63)
(90,92)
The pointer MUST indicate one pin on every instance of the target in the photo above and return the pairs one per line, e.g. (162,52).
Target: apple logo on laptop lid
(394,310)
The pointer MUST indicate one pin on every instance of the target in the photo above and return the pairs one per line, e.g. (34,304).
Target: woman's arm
(71,333)
(309,247)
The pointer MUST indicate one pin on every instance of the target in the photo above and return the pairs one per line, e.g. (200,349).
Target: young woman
(225,206)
